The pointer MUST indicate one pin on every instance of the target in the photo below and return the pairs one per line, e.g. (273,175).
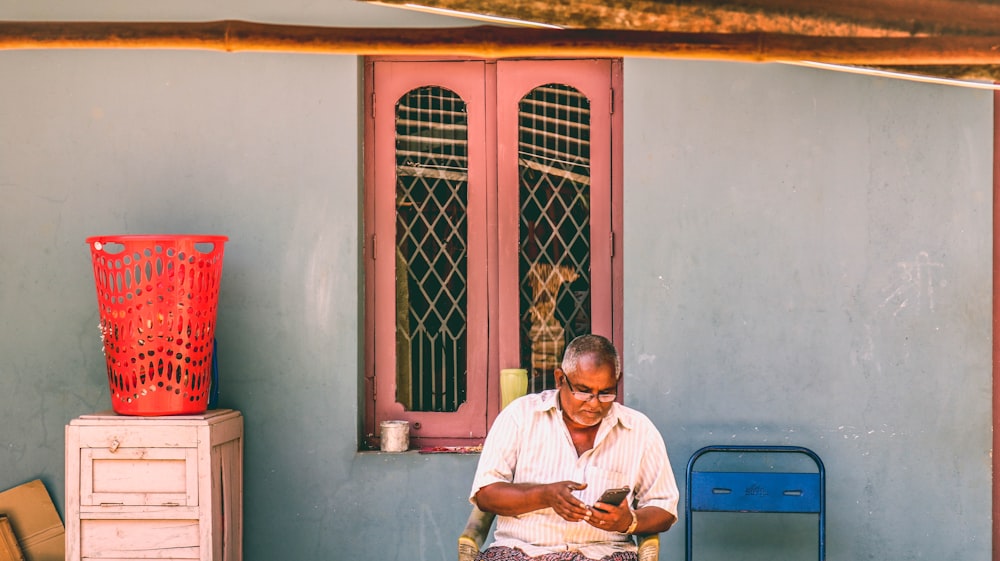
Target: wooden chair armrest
(649,547)
(474,535)
(467,549)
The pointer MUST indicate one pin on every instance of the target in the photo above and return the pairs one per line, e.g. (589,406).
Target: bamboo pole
(498,42)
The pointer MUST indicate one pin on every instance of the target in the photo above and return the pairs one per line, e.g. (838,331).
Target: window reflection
(554,230)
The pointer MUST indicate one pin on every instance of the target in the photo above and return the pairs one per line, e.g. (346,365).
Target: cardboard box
(9,550)
(36,523)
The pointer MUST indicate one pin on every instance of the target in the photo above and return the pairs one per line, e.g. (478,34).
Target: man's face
(591,379)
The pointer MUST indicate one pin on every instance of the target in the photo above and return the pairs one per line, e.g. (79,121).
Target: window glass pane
(554,230)
(431,249)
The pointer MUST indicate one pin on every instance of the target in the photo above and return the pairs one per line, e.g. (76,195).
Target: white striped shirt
(529,443)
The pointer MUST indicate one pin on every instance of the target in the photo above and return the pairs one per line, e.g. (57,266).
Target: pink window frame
(493,241)
(515,79)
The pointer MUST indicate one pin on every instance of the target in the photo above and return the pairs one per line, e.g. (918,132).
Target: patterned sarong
(500,553)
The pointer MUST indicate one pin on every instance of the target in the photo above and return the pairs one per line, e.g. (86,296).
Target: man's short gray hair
(603,351)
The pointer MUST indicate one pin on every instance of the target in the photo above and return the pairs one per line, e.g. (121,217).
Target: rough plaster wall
(265,149)
(808,262)
(783,269)
(261,148)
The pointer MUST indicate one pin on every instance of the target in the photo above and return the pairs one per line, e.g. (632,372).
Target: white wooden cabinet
(155,487)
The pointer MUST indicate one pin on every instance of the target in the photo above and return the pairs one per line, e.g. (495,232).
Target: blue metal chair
(756,491)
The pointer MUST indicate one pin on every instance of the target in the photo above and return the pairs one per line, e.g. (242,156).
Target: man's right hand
(560,497)
(513,499)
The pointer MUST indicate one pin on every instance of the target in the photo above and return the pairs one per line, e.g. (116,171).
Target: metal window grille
(554,195)
(431,249)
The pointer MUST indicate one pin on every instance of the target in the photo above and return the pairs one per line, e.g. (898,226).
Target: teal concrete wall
(808,262)
(775,219)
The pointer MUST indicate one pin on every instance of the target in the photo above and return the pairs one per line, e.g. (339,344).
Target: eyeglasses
(603,397)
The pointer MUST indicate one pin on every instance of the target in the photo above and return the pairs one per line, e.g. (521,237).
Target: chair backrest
(756,491)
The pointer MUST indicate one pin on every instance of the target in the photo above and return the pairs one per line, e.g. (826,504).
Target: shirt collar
(549,401)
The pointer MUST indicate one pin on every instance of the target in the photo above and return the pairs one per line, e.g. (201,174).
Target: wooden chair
(478,527)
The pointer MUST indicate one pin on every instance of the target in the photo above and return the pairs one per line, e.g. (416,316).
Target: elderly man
(549,457)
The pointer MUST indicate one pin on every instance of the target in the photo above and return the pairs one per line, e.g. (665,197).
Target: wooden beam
(842,18)
(985,72)
(917,17)
(499,42)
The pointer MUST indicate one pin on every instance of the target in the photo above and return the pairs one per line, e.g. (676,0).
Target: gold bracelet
(635,523)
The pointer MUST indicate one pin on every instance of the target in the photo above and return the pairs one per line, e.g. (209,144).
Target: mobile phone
(614,496)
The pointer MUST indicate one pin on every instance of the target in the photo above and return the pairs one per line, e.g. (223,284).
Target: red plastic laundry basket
(158,297)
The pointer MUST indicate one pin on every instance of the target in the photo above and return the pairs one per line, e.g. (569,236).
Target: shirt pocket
(600,480)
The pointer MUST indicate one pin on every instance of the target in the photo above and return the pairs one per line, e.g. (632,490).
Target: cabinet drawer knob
(114,446)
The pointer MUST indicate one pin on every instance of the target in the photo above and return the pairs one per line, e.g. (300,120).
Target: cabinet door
(139,477)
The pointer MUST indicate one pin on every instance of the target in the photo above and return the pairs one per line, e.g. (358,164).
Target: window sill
(452,450)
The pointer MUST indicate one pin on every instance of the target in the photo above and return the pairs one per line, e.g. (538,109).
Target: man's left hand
(610,518)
